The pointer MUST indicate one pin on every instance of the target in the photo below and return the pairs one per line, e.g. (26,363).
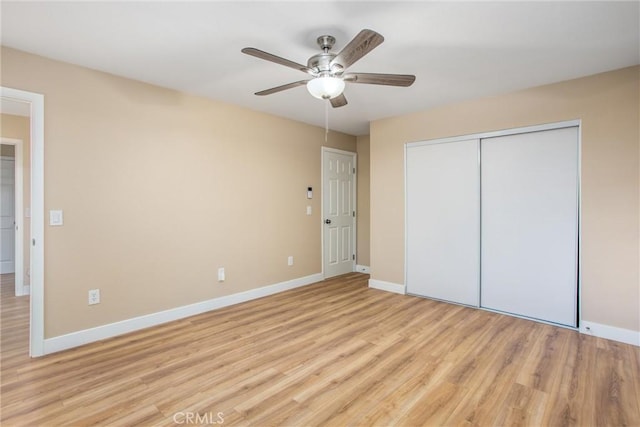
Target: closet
(492,221)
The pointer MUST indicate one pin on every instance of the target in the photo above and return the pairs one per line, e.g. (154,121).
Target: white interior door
(443,221)
(338,205)
(530,224)
(7,219)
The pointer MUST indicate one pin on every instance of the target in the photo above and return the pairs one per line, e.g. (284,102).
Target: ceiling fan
(328,69)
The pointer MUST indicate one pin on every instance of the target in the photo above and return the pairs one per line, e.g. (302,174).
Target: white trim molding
(363,269)
(626,336)
(387,286)
(501,132)
(86,336)
(36,320)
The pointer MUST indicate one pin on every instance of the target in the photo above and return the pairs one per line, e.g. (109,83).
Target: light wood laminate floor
(335,353)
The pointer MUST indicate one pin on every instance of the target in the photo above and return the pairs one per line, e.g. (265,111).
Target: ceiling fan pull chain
(326,120)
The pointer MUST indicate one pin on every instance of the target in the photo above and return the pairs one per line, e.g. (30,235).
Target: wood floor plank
(335,353)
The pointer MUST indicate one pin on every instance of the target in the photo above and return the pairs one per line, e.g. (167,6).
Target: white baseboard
(610,332)
(86,336)
(387,286)
(363,269)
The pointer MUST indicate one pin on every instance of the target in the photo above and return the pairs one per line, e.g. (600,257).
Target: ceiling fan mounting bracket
(326,42)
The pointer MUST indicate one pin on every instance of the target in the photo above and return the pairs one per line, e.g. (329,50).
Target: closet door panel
(529,227)
(443,221)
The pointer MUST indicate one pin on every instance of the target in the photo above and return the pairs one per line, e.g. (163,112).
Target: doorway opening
(13,224)
(34,103)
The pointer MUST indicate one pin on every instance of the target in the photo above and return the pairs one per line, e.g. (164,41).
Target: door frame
(36,315)
(18,212)
(354,235)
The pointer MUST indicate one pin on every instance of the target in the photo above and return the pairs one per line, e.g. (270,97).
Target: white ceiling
(457,50)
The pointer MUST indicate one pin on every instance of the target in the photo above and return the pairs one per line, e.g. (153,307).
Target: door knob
(327,221)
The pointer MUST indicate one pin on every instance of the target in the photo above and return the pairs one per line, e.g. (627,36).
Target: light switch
(308,210)
(55,217)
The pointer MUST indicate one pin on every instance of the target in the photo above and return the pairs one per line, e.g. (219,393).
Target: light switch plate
(308,210)
(56,218)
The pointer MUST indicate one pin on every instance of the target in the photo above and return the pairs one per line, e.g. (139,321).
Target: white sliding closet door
(443,209)
(530,224)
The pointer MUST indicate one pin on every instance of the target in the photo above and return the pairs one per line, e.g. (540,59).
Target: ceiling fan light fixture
(325,87)
(328,69)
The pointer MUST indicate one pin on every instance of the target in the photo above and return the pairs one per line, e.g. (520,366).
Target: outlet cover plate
(94,296)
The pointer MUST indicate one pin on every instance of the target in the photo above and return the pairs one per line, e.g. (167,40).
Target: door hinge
(353,257)
(354,214)
(354,171)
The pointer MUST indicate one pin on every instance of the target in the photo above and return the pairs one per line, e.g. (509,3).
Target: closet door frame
(505,132)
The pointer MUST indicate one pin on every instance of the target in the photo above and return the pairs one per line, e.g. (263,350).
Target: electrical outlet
(221,274)
(94,296)
(290,260)
(363,269)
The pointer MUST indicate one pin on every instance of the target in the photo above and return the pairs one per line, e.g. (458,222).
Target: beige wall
(18,127)
(159,189)
(362,226)
(608,105)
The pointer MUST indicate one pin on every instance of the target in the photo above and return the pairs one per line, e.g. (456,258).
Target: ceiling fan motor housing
(321,63)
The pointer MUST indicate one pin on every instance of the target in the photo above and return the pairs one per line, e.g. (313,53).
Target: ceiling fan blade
(380,79)
(281,88)
(363,43)
(278,60)
(338,101)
